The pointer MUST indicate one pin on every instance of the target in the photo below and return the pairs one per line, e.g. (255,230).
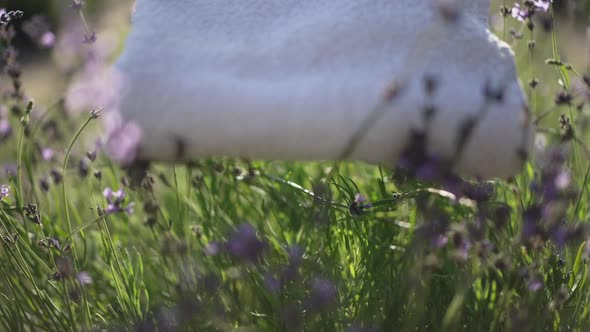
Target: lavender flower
(37,29)
(77,4)
(291,270)
(91,155)
(529,8)
(531,228)
(542,4)
(272,284)
(123,143)
(5,129)
(44,184)
(84,278)
(434,230)
(96,87)
(462,247)
(358,205)
(47,154)
(56,175)
(213,248)
(521,13)
(90,38)
(322,296)
(9,169)
(534,284)
(32,213)
(7,16)
(4,190)
(116,201)
(245,245)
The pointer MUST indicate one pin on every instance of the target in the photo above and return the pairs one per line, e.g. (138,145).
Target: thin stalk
(19,174)
(63,186)
(579,200)
(92,116)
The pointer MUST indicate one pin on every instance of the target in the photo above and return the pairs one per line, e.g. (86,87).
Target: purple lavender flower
(479,192)
(96,87)
(462,247)
(521,13)
(90,38)
(56,176)
(37,28)
(84,278)
(430,170)
(562,180)
(531,224)
(47,154)
(358,205)
(272,284)
(5,129)
(322,296)
(47,39)
(245,245)
(44,184)
(534,283)
(123,143)
(4,191)
(10,169)
(529,8)
(213,248)
(291,270)
(434,230)
(542,4)
(440,240)
(77,4)
(91,155)
(559,236)
(116,201)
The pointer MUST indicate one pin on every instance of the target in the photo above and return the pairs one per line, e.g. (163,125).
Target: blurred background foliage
(50,70)
(49,74)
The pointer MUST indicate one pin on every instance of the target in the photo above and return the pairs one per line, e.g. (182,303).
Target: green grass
(377,268)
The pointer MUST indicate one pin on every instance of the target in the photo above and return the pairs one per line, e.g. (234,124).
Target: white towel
(295,79)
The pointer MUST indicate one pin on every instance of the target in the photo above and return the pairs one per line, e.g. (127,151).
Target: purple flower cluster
(5,129)
(245,245)
(7,16)
(4,190)
(322,296)
(38,30)
(545,218)
(288,272)
(358,205)
(529,8)
(124,142)
(116,201)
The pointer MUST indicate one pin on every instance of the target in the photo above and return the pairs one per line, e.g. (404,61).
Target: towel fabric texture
(296,79)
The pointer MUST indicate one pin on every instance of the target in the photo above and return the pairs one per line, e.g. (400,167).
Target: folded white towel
(296,79)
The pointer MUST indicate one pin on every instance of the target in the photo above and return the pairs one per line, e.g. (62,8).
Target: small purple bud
(4,191)
(245,245)
(322,296)
(84,278)
(213,248)
(5,129)
(47,154)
